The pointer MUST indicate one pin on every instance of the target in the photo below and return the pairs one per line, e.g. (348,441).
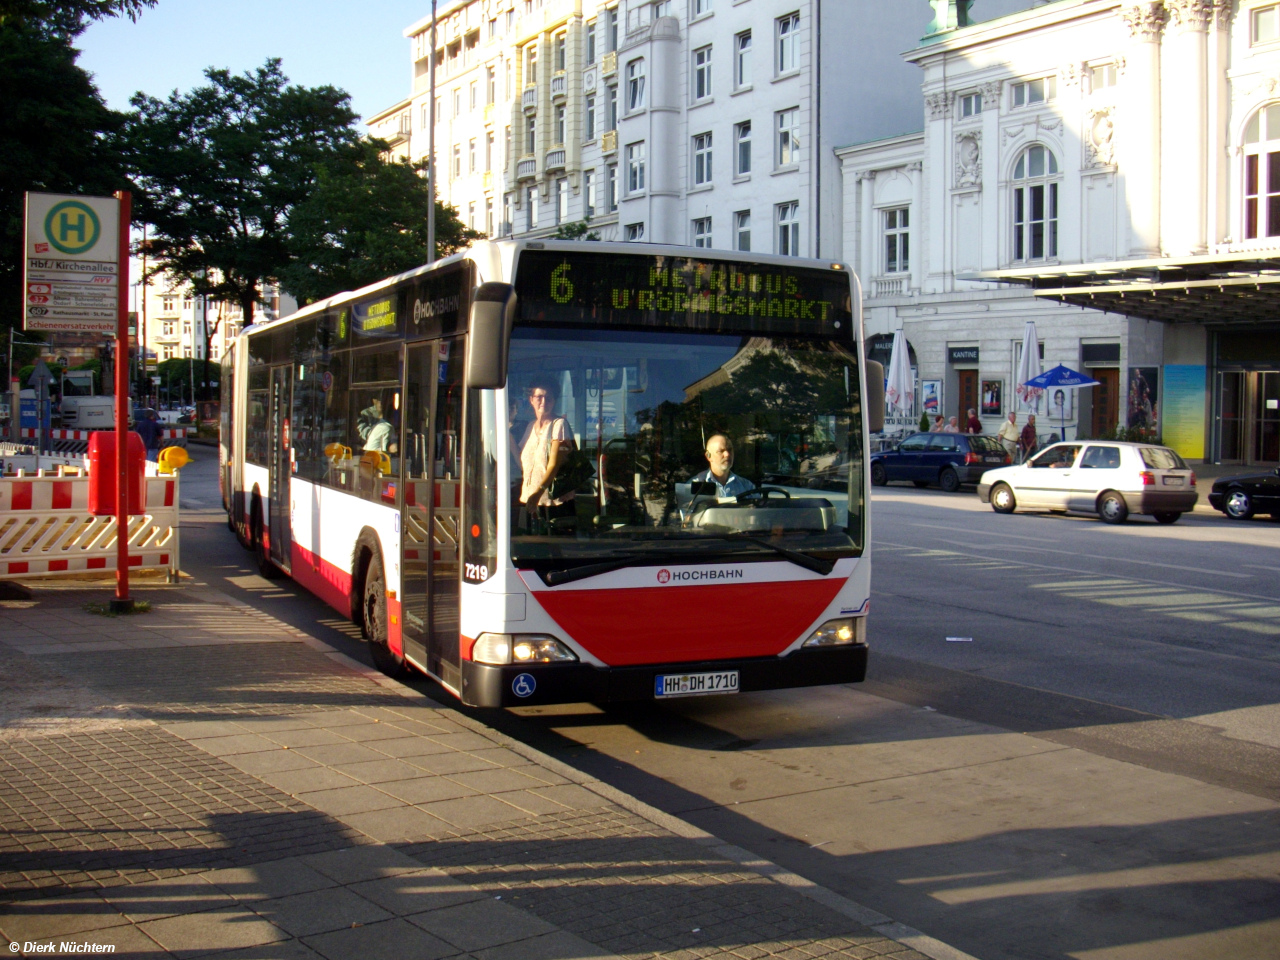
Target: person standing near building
(973,425)
(1030,442)
(147,426)
(1009,436)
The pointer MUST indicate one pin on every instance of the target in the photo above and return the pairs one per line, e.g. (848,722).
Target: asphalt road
(1091,769)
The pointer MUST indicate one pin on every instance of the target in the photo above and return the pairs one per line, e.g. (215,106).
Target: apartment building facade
(173,323)
(702,122)
(1087,139)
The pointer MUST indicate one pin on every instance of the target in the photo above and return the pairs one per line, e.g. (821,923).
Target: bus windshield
(679,446)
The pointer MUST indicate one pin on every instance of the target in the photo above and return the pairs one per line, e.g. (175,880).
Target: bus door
(432,512)
(280,464)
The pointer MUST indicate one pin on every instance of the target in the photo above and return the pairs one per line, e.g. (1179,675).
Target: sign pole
(122,603)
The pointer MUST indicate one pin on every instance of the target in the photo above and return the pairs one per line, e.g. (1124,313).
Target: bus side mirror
(874,396)
(493,312)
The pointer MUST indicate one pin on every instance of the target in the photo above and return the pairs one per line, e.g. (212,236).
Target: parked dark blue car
(947,459)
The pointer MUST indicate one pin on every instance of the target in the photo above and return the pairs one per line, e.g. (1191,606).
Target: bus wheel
(374,612)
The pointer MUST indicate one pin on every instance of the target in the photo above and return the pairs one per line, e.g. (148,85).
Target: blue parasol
(1062,377)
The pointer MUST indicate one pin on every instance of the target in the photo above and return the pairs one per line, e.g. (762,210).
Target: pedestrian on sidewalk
(938,425)
(974,425)
(1029,441)
(1009,436)
(147,427)
(952,426)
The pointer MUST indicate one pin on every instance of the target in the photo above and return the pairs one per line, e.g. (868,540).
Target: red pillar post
(122,603)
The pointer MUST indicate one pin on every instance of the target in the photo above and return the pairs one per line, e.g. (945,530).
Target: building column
(1218,139)
(1185,148)
(1140,137)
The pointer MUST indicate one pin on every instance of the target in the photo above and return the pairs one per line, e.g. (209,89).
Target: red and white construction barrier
(45,528)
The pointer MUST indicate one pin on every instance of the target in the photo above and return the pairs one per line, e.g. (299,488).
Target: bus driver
(719,454)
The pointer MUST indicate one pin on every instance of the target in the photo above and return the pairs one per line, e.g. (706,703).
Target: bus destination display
(683,292)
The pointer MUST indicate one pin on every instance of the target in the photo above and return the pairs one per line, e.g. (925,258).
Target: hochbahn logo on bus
(693,576)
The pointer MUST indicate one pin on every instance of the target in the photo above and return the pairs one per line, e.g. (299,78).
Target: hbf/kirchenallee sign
(71,269)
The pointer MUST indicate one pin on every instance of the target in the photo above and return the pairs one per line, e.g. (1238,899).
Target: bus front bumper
(516,685)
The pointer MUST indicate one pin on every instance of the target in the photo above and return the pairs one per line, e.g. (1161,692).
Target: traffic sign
(71,263)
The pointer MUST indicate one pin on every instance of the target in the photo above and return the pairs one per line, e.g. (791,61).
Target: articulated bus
(372,448)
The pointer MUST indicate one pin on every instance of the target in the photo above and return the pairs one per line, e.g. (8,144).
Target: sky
(357,46)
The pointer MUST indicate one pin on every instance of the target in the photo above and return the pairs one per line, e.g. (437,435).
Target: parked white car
(1109,478)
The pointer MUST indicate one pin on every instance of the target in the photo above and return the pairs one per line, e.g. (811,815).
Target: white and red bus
(371,450)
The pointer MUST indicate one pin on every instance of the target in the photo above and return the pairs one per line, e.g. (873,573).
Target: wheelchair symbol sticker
(524,685)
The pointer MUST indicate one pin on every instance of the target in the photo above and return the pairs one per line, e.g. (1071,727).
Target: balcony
(526,168)
(559,87)
(555,159)
(609,64)
(609,141)
(529,99)
(889,286)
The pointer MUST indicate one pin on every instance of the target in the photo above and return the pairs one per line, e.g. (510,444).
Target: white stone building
(1101,148)
(701,122)
(173,323)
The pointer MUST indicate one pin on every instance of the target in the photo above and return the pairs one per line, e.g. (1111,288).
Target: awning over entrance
(1232,289)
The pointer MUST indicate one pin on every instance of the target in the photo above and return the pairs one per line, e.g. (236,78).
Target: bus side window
(257,441)
(333,430)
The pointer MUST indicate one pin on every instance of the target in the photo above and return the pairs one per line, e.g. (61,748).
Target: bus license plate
(695,684)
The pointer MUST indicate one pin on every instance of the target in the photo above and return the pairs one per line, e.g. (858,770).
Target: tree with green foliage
(68,17)
(176,377)
(365,219)
(578,230)
(220,169)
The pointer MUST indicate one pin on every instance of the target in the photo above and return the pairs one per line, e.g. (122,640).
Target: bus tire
(373,613)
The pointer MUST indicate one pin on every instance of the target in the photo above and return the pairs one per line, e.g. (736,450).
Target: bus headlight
(504,648)
(836,633)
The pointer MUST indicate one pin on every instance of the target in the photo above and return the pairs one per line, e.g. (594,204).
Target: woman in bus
(543,451)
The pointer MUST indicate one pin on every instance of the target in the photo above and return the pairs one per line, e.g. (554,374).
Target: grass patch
(104,609)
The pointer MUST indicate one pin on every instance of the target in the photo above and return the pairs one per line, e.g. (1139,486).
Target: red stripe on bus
(21,498)
(62,495)
(328,582)
(681,624)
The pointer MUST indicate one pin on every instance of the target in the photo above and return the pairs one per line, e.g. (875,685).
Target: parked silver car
(1109,478)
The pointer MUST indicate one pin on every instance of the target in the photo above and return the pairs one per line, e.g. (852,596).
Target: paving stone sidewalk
(203,780)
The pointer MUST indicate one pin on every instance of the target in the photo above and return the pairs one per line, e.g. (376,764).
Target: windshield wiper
(554,578)
(823,567)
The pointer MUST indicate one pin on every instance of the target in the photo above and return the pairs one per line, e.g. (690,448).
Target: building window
(506,214)
(701,230)
(1035,91)
(611,120)
(970,105)
(493,27)
(635,85)
(457,102)
(490,84)
(633,232)
(742,149)
(789,229)
(591,42)
(788,33)
(702,73)
(1035,205)
(471,156)
(471,216)
(168,304)
(742,230)
(788,153)
(701,7)
(531,64)
(187,303)
(168,328)
(611,28)
(1262,174)
(531,208)
(897,240)
(1103,75)
(635,167)
(457,160)
(488,151)
(742,60)
(473,95)
(588,193)
(702,159)
(560,125)
(488,217)
(589,124)
(1266,24)
(560,42)
(426,116)
(562,200)
(506,143)
(613,188)
(530,136)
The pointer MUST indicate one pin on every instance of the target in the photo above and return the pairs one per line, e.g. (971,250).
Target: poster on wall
(1144,398)
(1060,404)
(992,398)
(931,397)
(1182,411)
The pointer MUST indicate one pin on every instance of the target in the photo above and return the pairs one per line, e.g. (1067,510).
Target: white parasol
(900,388)
(1029,367)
